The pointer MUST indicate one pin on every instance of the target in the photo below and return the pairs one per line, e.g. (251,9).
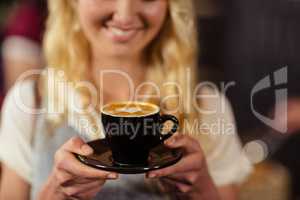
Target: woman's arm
(190,178)
(10,182)
(228,192)
(70,178)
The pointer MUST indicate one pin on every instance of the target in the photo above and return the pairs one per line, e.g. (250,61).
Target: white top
(227,163)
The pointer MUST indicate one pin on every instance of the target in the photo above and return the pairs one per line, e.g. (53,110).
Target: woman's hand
(189,177)
(290,109)
(71,179)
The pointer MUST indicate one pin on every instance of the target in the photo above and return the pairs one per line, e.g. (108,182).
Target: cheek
(90,16)
(156,15)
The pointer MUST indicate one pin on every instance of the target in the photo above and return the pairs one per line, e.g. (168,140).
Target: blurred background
(241,43)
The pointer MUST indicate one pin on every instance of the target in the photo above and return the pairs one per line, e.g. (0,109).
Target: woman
(144,41)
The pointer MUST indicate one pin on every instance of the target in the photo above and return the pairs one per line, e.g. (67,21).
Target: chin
(122,51)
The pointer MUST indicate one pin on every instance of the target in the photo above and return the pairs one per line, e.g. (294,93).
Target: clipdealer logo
(277,82)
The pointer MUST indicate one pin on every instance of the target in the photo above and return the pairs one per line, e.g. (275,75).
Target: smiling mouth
(122,32)
(119,33)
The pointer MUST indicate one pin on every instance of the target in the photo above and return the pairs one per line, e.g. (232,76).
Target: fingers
(174,185)
(89,194)
(66,179)
(167,185)
(74,178)
(193,162)
(189,144)
(86,180)
(78,146)
(78,189)
(188,179)
(63,177)
(66,161)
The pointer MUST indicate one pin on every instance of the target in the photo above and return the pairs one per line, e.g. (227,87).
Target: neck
(125,63)
(125,70)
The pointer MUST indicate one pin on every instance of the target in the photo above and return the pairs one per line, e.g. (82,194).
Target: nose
(125,12)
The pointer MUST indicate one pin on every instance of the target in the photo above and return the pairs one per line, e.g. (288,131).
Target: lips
(121,33)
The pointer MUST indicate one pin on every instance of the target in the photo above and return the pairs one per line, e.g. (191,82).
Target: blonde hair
(172,53)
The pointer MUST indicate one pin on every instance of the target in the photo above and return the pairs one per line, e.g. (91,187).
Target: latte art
(130,109)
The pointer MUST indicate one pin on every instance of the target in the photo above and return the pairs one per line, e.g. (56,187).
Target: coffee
(130,109)
(132,129)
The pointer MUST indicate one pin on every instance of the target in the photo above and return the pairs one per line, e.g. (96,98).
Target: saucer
(159,157)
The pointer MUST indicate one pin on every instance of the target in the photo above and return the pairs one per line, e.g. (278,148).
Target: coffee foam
(130,109)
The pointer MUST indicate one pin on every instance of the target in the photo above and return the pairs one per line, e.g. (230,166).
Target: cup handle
(165,118)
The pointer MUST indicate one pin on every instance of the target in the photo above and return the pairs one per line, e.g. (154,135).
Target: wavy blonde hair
(171,54)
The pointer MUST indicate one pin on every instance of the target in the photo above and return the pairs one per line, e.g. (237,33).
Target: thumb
(78,146)
(189,144)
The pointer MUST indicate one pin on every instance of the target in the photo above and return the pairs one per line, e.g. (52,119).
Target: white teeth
(119,32)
